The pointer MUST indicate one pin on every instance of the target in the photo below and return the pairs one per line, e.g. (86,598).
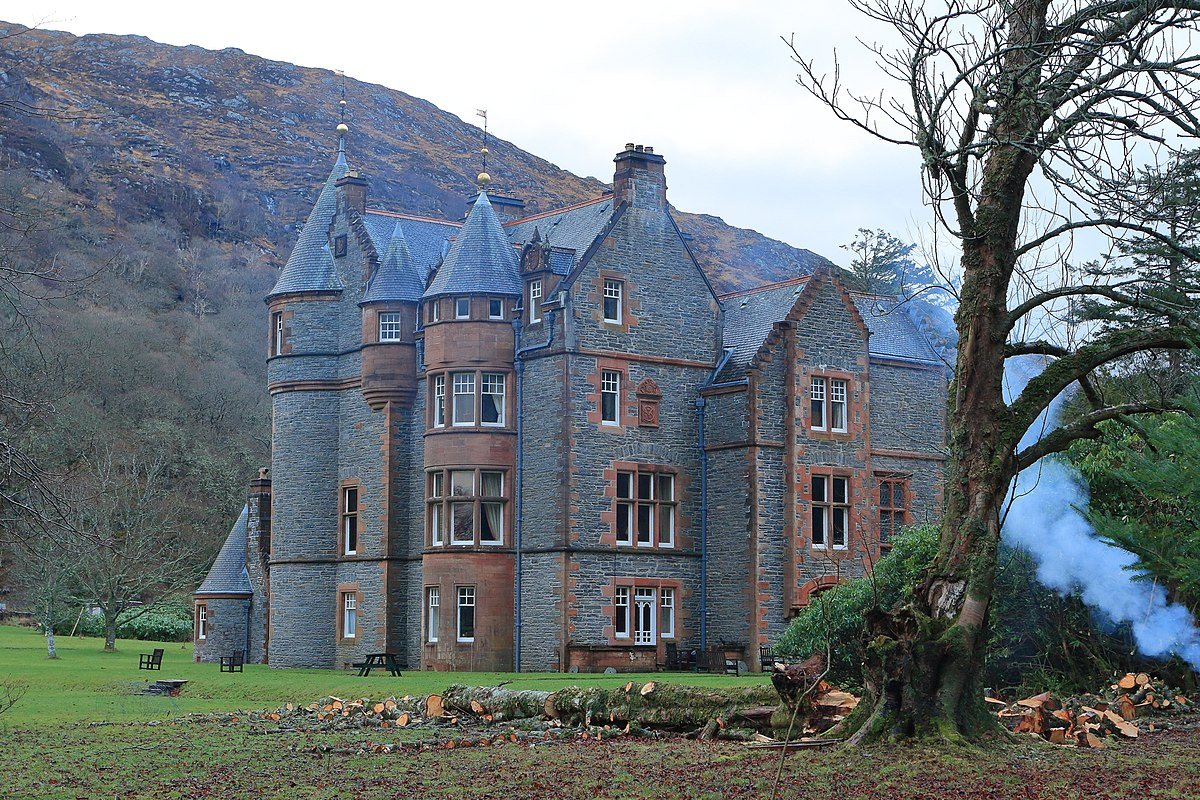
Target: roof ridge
(764,287)
(415,217)
(553,211)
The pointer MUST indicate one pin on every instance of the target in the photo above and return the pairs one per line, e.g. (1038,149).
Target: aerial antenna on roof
(483,179)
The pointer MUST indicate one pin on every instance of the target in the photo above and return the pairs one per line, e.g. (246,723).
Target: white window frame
(626,506)
(433,613)
(666,610)
(349,615)
(816,396)
(621,607)
(277,334)
(389,326)
(454,500)
(439,401)
(459,304)
(201,621)
(466,599)
(494,303)
(535,297)
(349,519)
(645,609)
(830,511)
(613,290)
(467,379)
(437,509)
(495,379)
(664,510)
(610,384)
(838,394)
(435,311)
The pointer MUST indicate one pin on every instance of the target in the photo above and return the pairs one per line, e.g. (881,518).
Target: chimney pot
(629,145)
(638,148)
(649,149)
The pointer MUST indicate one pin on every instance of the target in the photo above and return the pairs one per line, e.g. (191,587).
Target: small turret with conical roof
(389,316)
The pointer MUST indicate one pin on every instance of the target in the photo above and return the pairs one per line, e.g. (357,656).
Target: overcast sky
(708,84)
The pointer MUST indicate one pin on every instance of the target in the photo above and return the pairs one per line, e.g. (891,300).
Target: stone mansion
(544,442)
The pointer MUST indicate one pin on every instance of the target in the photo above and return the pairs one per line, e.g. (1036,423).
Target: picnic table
(379,661)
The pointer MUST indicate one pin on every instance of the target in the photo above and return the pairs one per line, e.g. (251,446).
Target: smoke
(1044,518)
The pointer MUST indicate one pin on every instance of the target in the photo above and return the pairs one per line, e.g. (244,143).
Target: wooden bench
(233,663)
(733,667)
(766,659)
(151,660)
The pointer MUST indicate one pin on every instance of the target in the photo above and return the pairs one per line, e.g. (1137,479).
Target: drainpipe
(700,404)
(519,364)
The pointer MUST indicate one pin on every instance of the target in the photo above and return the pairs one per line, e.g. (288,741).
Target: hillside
(155,191)
(239,136)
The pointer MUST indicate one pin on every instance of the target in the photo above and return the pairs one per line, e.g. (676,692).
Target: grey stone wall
(541,611)
(256,570)
(226,634)
(908,413)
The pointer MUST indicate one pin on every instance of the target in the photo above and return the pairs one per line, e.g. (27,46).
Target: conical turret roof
(310,266)
(228,572)
(481,260)
(396,278)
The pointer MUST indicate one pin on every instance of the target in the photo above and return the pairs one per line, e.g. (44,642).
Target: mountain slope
(247,141)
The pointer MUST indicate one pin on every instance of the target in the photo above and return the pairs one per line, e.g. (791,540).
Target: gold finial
(342,128)
(483,179)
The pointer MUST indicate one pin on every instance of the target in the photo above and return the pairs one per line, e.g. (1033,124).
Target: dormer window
(389,327)
(535,301)
(613,291)
(462,308)
(495,309)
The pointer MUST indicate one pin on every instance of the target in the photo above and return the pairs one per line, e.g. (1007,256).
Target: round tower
(389,322)
(470,450)
(308,319)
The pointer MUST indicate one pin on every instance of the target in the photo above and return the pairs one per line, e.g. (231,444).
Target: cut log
(1141,679)
(647,689)
(435,708)
(1127,682)
(1037,701)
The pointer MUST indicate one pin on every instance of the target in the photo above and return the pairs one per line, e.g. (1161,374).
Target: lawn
(86,684)
(48,749)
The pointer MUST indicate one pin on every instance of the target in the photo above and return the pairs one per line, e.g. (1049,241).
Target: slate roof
(481,258)
(426,239)
(572,228)
(893,332)
(310,266)
(228,572)
(395,278)
(750,316)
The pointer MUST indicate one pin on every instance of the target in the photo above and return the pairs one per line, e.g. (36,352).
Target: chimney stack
(640,178)
(354,187)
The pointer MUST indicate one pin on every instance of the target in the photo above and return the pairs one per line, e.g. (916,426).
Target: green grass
(47,749)
(86,684)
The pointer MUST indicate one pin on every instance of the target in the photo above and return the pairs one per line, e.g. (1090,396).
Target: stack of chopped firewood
(1085,721)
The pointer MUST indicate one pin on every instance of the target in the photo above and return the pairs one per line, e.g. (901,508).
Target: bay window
(474,508)
(492,398)
(439,401)
(466,613)
(464,397)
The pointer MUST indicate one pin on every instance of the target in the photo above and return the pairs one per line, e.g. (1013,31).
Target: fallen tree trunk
(651,705)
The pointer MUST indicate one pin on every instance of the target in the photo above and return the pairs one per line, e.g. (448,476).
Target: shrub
(167,622)
(834,619)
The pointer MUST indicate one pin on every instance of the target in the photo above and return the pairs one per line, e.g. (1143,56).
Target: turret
(389,319)
(470,449)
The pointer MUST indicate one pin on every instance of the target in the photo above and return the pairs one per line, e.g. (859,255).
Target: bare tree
(46,574)
(139,560)
(1030,118)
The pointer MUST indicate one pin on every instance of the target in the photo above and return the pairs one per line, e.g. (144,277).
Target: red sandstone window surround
(277,333)
(646,507)
(349,615)
(610,397)
(349,521)
(893,508)
(201,622)
(643,612)
(614,291)
(828,406)
(477,399)
(830,499)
